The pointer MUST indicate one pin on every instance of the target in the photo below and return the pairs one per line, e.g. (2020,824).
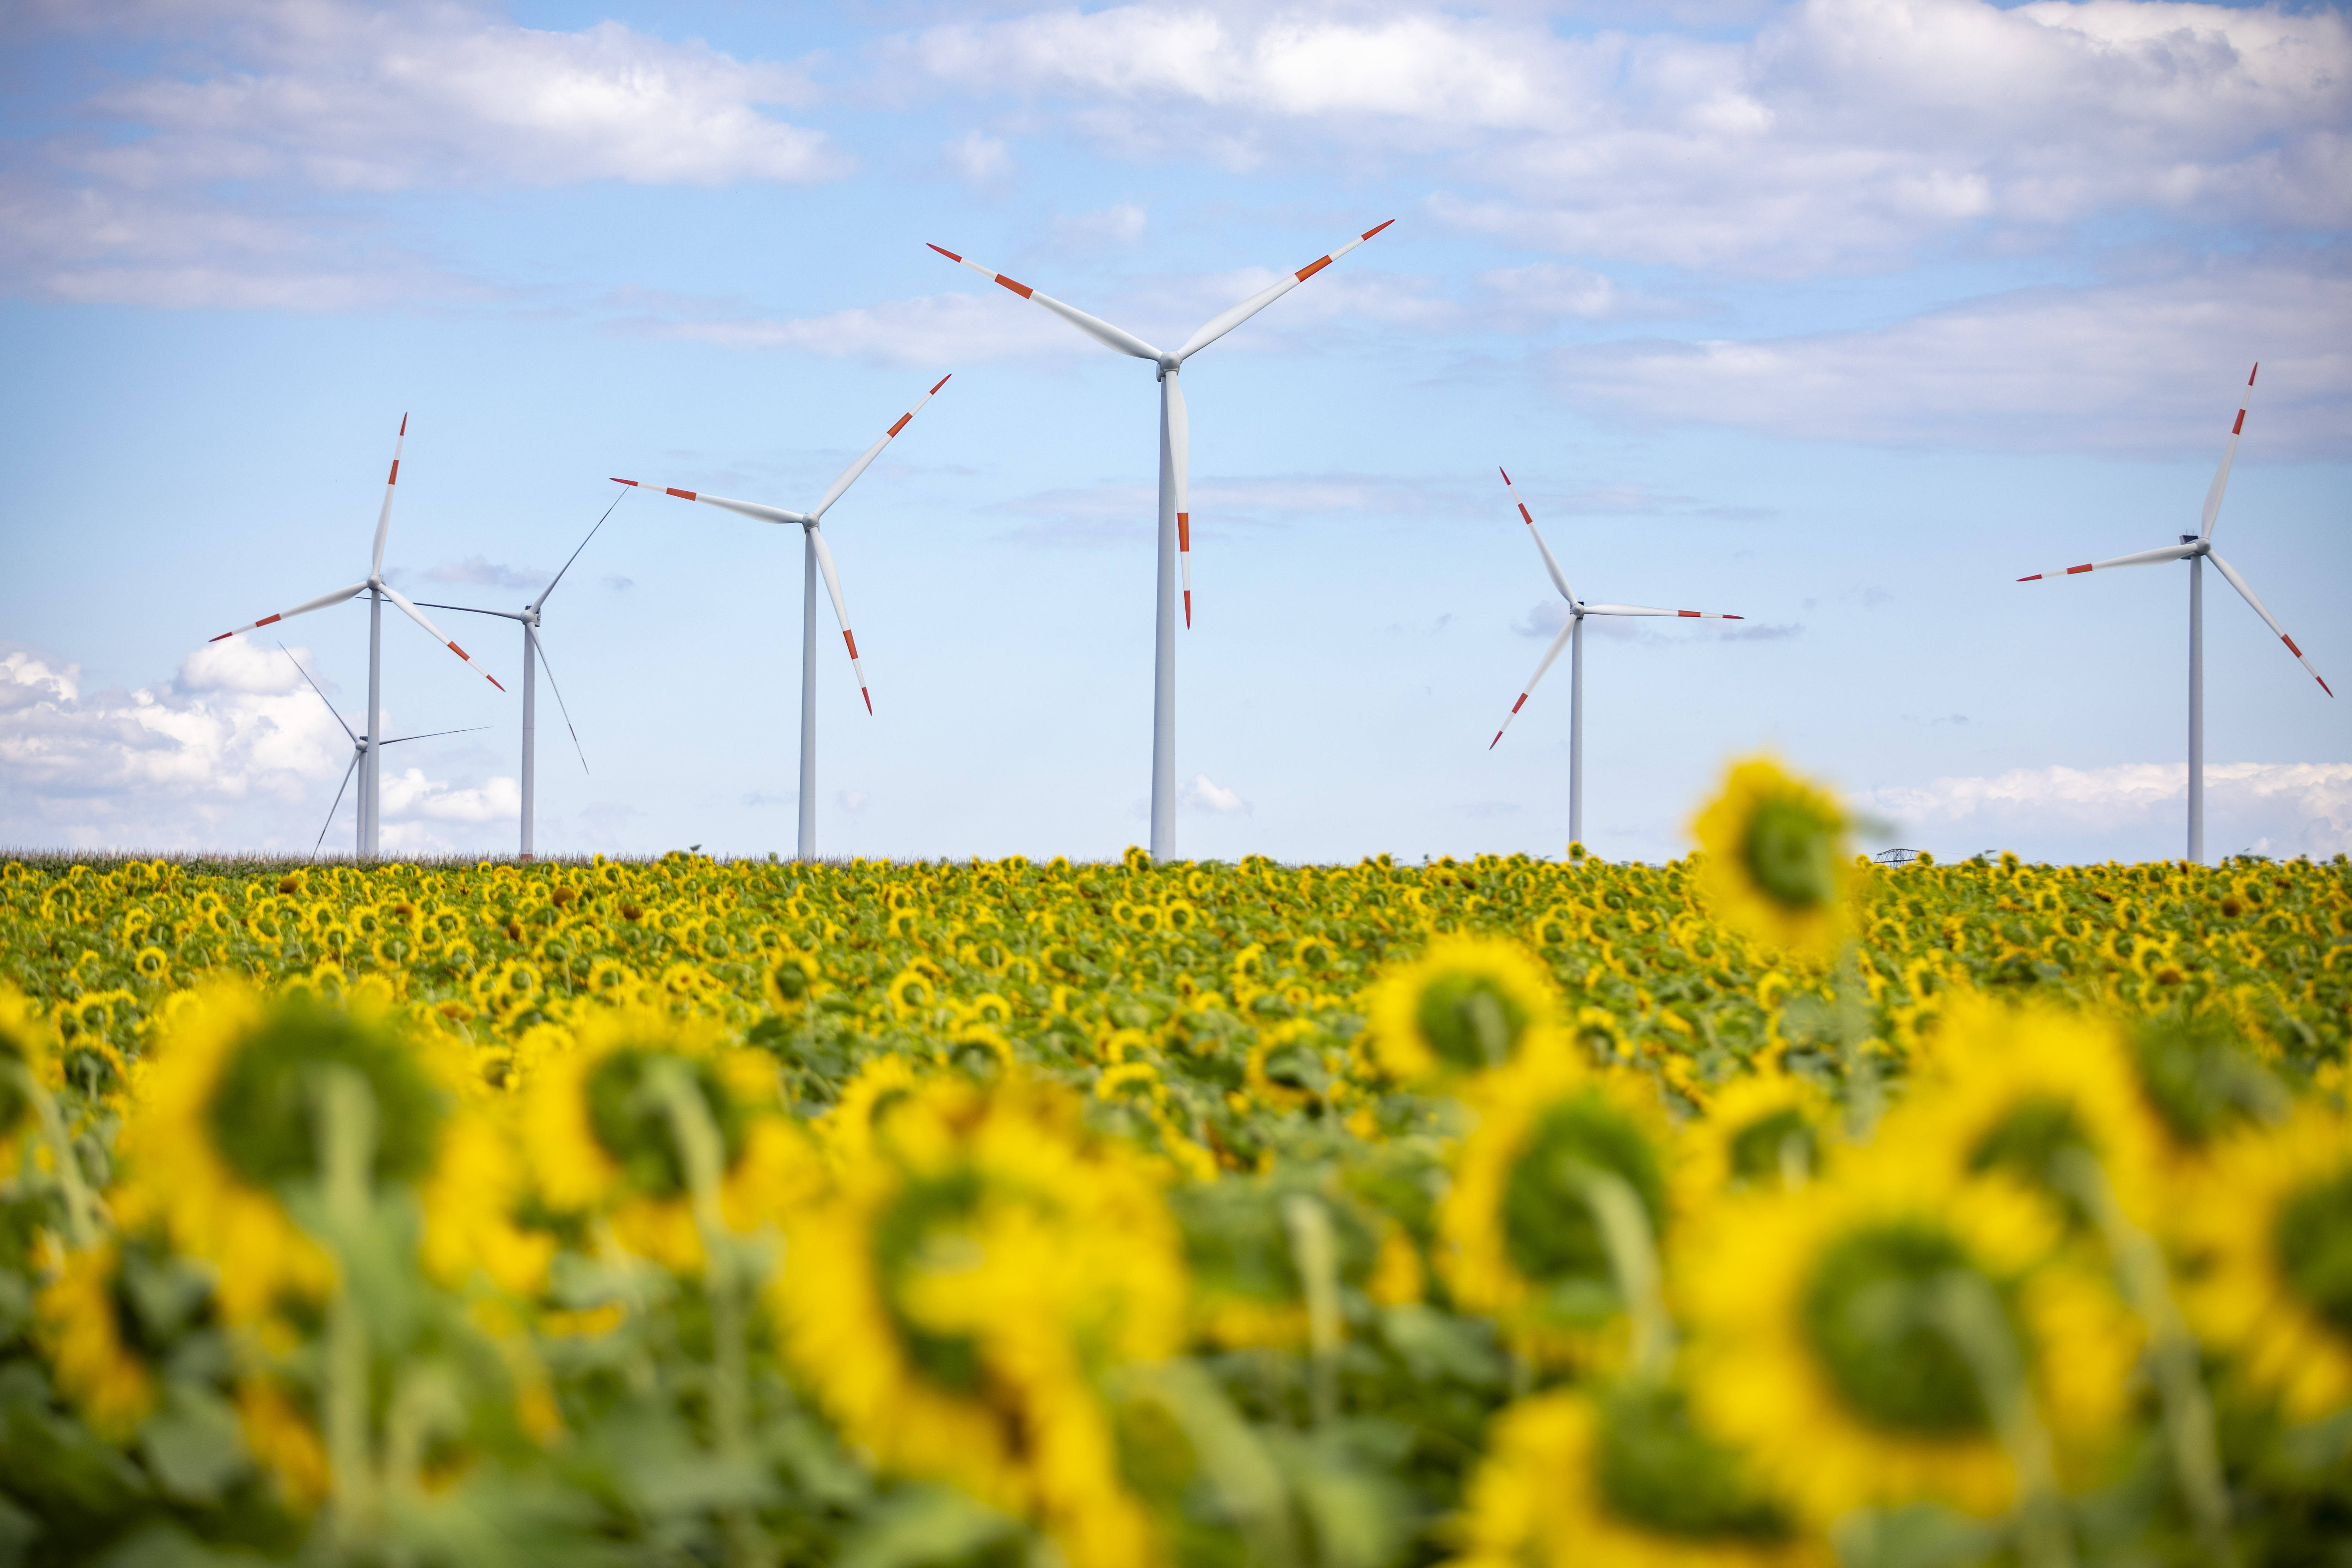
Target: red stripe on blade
(2290,645)
(1504,472)
(2325,687)
(1517,706)
(942,382)
(1495,742)
(943,250)
(1021,289)
(268,620)
(1525,514)
(850,637)
(1184,532)
(2073,571)
(461,653)
(683,495)
(1689,615)
(1735,617)
(1188,608)
(1312,268)
(1370,232)
(404,419)
(493,679)
(2250,381)
(869,700)
(2241,425)
(395,472)
(901,425)
(223,637)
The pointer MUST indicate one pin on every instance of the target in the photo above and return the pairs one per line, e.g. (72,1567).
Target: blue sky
(1839,316)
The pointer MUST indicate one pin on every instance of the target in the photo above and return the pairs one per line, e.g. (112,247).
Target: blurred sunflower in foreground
(957,1296)
(1464,1005)
(1775,862)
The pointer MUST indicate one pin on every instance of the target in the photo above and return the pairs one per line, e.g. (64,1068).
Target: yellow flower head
(2018,1091)
(1466,1003)
(79,1316)
(1518,1235)
(24,1039)
(229,1120)
(2270,1227)
(1622,1479)
(1816,1347)
(954,1298)
(1775,863)
(1769,1132)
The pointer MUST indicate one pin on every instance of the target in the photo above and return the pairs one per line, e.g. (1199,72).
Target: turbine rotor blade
(1219,325)
(2137,558)
(314,686)
(1649,610)
(744,508)
(1179,459)
(1095,327)
(383,518)
(2245,590)
(321,603)
(540,602)
(2229,456)
(840,610)
(1551,654)
(1559,578)
(533,632)
(849,475)
(339,803)
(437,735)
(406,604)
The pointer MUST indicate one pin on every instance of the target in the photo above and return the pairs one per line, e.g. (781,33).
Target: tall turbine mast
(1572,635)
(1175,514)
(815,557)
(2197,549)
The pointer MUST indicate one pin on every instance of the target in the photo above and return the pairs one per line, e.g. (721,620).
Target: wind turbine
(359,746)
(815,557)
(1572,636)
(2197,549)
(1175,517)
(533,654)
(378,591)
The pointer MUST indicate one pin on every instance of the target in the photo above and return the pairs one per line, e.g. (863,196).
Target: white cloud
(1120,224)
(979,157)
(1550,290)
(1841,130)
(1199,792)
(480,571)
(933,330)
(853,800)
(2133,811)
(200,186)
(2143,367)
(236,750)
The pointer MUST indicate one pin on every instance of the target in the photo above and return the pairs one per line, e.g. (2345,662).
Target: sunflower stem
(703,1154)
(1962,1304)
(2188,1412)
(81,1225)
(1316,1257)
(346,1135)
(1633,1260)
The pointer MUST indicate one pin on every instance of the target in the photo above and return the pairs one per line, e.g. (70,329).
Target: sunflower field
(1769,1208)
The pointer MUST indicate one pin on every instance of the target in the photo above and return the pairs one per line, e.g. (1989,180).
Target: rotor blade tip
(869,700)
(2254,373)
(1370,232)
(2035,578)
(1504,472)
(403,424)
(223,637)
(942,382)
(943,250)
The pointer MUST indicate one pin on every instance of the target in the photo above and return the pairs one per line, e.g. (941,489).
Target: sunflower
(226,1126)
(470,1205)
(2013,1090)
(81,1322)
(1764,1132)
(955,1298)
(24,1049)
(600,1139)
(1465,1004)
(2271,1225)
(1774,862)
(1844,1403)
(882,1081)
(1518,1238)
(1621,1479)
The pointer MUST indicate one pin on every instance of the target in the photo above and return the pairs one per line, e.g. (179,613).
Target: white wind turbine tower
(815,557)
(534,653)
(1572,637)
(1175,518)
(359,746)
(2197,549)
(378,591)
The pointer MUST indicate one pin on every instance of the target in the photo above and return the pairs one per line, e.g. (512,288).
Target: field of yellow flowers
(1769,1208)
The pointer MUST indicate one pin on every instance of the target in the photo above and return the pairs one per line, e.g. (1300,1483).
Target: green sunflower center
(261,1114)
(2314,1242)
(2026,1140)
(927,1231)
(1791,850)
(1653,1467)
(1549,1225)
(1470,1020)
(632,1123)
(1884,1358)
(1763,1149)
